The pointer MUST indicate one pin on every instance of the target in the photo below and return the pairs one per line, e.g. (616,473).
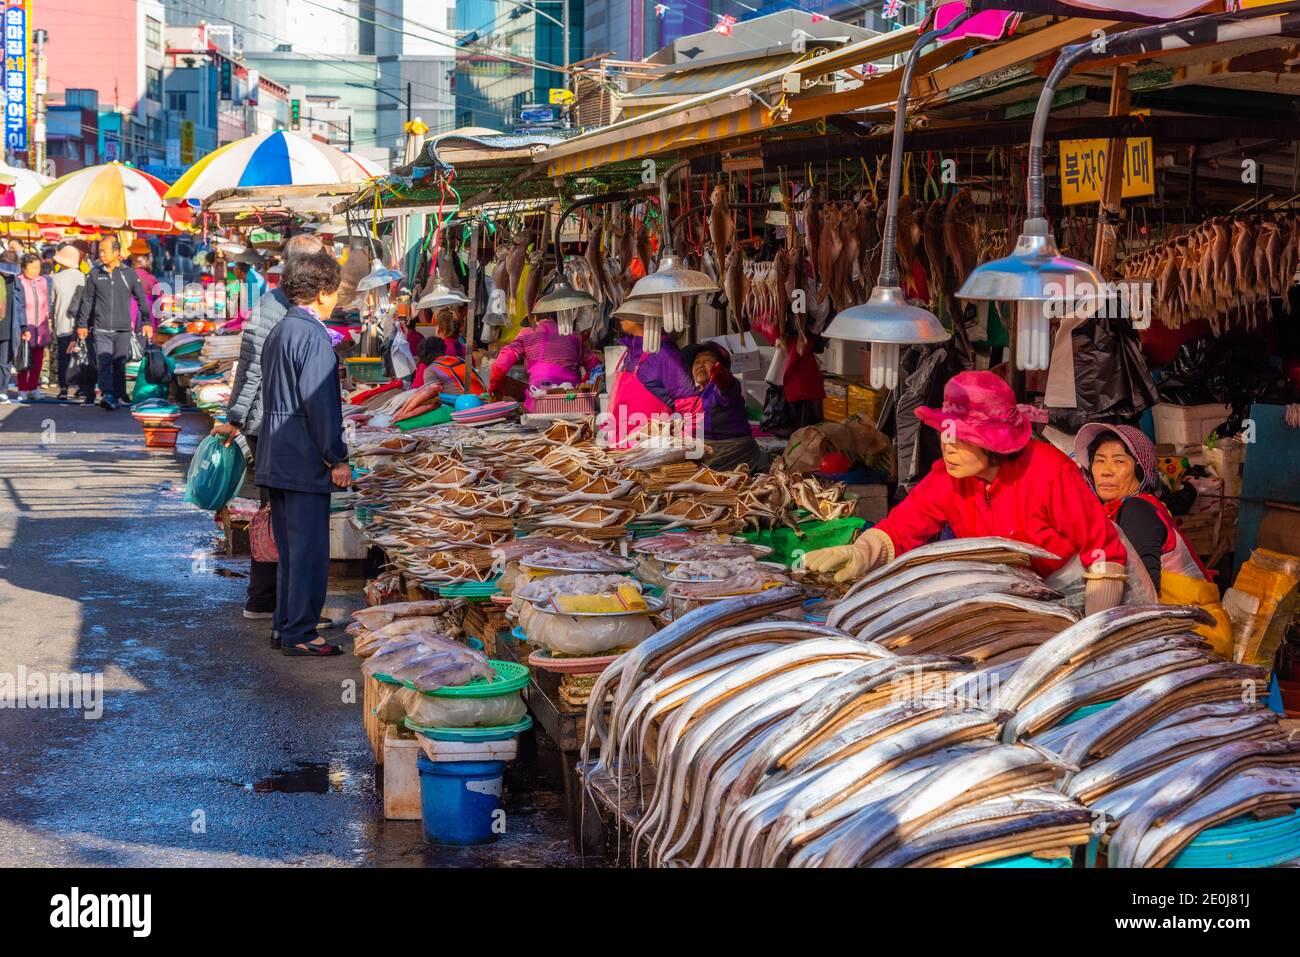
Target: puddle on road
(305,777)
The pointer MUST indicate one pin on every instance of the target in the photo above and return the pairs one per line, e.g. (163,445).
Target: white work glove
(873,548)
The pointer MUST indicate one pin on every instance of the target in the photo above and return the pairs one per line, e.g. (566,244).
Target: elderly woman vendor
(995,479)
(726,428)
(1119,461)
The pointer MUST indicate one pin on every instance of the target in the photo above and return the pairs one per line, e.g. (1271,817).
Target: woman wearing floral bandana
(1119,462)
(995,479)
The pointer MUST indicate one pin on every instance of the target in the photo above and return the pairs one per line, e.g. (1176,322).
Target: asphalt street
(211,749)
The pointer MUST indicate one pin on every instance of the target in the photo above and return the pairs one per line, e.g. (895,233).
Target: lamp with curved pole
(671,282)
(1036,276)
(886,319)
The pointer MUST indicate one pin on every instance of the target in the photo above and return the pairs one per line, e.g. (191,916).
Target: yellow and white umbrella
(112,195)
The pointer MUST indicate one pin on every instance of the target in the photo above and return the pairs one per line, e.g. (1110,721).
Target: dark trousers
(113,349)
(261,575)
(61,358)
(6,363)
(301,524)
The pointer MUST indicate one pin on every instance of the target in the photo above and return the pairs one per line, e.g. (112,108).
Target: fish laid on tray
(754,741)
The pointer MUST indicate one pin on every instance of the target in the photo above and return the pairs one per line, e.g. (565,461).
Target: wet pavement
(211,749)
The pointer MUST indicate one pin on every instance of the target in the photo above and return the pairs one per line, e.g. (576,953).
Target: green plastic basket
(1028,860)
(500,732)
(816,534)
(510,677)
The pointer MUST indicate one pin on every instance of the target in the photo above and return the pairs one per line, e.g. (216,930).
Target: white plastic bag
(431,711)
(587,635)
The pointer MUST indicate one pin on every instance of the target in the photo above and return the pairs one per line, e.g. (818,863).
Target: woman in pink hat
(995,479)
(1119,462)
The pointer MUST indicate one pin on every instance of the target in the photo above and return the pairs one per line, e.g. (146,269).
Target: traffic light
(295,114)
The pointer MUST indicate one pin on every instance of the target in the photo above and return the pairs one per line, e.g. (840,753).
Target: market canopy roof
(260,203)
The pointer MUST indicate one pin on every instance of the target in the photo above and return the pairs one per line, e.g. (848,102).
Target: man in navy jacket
(301,455)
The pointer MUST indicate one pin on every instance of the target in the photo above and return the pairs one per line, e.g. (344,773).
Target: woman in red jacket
(995,479)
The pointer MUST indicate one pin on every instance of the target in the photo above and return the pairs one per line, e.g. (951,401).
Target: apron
(631,406)
(1184,579)
(1138,587)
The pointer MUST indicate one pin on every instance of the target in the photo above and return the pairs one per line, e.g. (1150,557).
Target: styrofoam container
(1187,424)
(345,539)
(401,777)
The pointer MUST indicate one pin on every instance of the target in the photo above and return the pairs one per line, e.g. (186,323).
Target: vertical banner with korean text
(16,76)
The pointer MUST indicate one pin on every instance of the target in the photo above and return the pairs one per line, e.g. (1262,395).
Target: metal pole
(349,132)
(38,132)
(568,113)
(408,101)
(472,295)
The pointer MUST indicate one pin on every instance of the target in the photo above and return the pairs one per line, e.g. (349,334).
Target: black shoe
(275,638)
(108,403)
(62,396)
(258,615)
(88,401)
(325,624)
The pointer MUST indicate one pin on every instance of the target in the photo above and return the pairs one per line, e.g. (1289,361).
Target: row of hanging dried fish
(1226,270)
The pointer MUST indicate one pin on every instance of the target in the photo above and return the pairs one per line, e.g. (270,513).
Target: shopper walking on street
(29,304)
(244,413)
(105,308)
(65,293)
(9,336)
(301,456)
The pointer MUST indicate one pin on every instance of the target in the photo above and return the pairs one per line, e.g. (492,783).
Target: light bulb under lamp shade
(1033,335)
(884,365)
(674,308)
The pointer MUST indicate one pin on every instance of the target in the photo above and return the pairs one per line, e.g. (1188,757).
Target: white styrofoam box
(1187,424)
(843,357)
(401,777)
(469,750)
(744,349)
(345,539)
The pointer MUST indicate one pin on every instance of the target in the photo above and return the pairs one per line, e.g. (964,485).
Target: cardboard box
(869,501)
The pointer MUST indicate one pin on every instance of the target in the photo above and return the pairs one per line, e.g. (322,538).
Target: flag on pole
(890,10)
(725,24)
(660,10)
(818,18)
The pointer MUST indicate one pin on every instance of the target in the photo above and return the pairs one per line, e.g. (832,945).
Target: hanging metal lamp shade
(441,295)
(378,277)
(563,298)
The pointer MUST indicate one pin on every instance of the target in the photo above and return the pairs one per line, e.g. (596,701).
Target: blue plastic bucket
(459,800)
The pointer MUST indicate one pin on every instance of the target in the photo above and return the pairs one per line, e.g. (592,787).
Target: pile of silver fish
(929,723)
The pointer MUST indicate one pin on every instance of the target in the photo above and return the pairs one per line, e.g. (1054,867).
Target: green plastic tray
(499,732)
(475,591)
(816,534)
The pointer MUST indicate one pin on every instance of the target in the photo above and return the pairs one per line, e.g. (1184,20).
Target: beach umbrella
(271,159)
(112,195)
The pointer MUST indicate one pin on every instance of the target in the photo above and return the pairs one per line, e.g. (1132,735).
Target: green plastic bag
(216,474)
(816,534)
(144,389)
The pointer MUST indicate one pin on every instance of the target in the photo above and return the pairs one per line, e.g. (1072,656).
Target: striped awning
(746,119)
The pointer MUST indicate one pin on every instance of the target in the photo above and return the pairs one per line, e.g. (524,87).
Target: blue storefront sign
(15,75)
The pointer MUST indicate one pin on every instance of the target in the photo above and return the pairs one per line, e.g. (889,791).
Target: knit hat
(1135,440)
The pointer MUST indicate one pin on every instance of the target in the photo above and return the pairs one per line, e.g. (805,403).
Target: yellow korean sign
(560,97)
(187,142)
(1083,164)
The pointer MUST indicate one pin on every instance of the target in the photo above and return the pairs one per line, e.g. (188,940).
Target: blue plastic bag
(216,473)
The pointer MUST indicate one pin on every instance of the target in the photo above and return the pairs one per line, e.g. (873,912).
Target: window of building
(153,83)
(451,18)
(178,102)
(153,33)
